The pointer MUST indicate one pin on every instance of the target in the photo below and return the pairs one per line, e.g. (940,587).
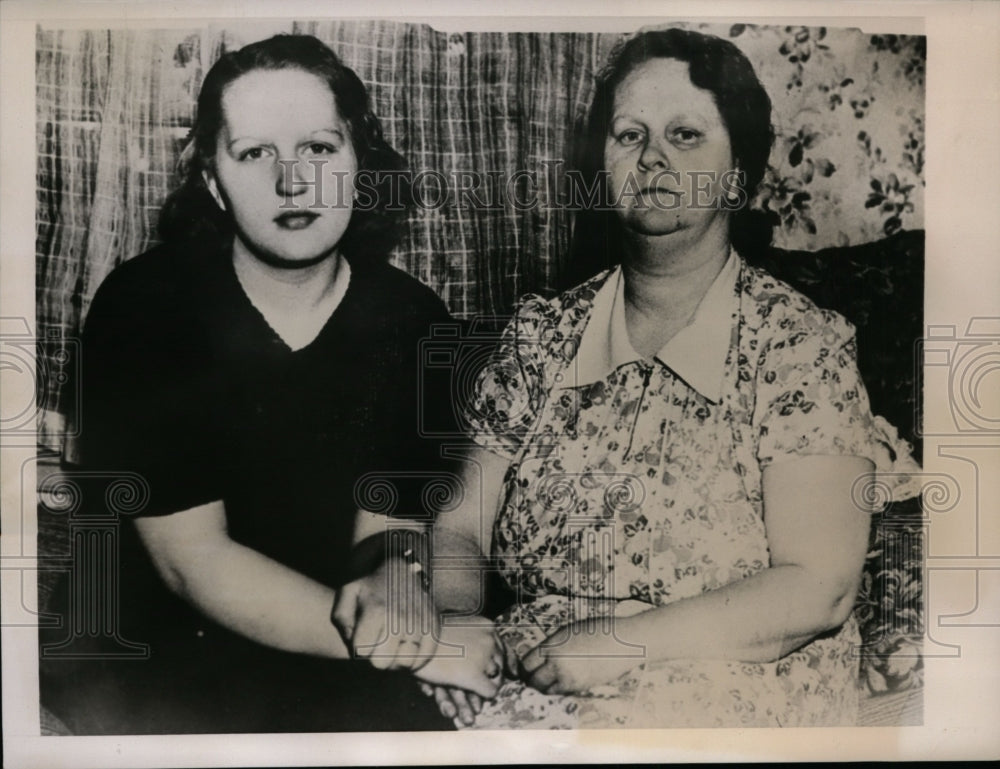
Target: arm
(466,658)
(238,587)
(385,614)
(464,534)
(817,536)
(366,608)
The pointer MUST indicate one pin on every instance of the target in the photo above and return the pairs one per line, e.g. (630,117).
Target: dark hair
(190,212)
(715,65)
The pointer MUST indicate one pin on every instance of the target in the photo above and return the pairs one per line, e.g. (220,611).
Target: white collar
(697,353)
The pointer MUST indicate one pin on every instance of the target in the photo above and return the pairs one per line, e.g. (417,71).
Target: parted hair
(190,212)
(715,65)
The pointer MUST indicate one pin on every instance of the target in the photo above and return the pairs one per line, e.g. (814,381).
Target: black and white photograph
(386,384)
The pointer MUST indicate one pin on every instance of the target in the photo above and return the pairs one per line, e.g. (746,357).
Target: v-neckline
(277,341)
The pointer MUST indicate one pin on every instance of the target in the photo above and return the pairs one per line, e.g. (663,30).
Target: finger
(424,653)
(345,606)
(544,678)
(444,703)
(428,646)
(533,660)
(397,653)
(483,686)
(476,701)
(427,637)
(465,712)
(371,633)
(511,661)
(405,657)
(426,689)
(387,655)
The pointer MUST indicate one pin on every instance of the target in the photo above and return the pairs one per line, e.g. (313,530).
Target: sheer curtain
(114,108)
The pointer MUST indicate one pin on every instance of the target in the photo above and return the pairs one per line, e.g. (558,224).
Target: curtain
(114,108)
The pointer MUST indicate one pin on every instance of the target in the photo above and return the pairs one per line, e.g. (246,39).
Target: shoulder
(141,297)
(568,311)
(163,276)
(148,318)
(785,317)
(398,294)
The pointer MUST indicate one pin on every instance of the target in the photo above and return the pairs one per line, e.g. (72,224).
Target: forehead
(663,86)
(265,102)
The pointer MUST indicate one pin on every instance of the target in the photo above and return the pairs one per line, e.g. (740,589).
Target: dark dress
(185,387)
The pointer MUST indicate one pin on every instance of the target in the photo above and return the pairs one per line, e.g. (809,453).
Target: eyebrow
(335,131)
(681,118)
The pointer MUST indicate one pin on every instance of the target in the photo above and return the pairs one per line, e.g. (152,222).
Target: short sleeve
(148,398)
(509,390)
(810,396)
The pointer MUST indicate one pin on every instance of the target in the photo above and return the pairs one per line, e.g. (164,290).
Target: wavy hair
(715,65)
(190,212)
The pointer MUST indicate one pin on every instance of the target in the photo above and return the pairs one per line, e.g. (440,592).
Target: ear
(213,188)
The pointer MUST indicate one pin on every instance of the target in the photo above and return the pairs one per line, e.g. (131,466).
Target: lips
(659,191)
(295,220)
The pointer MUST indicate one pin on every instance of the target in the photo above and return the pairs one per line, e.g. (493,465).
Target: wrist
(415,562)
(374,553)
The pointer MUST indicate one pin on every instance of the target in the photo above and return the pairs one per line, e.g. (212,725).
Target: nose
(654,156)
(294,176)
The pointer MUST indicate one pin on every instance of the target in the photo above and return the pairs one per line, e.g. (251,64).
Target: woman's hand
(460,706)
(458,703)
(388,617)
(469,657)
(579,657)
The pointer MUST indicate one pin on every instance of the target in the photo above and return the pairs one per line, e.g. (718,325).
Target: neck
(668,279)
(285,289)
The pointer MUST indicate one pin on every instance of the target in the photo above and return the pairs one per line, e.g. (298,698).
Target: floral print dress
(630,489)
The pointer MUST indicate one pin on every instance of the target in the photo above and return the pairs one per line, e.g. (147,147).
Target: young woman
(253,369)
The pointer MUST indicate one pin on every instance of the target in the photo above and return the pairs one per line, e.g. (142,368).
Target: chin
(652,223)
(289,260)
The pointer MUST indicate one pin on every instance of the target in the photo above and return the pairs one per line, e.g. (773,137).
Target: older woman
(252,369)
(670,454)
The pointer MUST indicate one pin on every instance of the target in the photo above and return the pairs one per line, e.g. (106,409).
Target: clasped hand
(389,618)
(577,658)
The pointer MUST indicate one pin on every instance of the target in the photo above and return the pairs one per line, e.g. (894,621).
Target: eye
(320,148)
(253,153)
(629,137)
(687,136)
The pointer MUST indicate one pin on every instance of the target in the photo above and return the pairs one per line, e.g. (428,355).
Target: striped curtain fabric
(114,108)
(494,110)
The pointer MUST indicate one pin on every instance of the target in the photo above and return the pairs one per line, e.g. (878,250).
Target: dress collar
(697,353)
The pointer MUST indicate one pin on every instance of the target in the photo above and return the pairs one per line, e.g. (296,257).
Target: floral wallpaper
(114,107)
(848,160)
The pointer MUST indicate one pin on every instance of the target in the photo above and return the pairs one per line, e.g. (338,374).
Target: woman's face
(284,166)
(667,153)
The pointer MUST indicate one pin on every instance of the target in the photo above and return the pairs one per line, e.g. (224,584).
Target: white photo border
(962,694)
